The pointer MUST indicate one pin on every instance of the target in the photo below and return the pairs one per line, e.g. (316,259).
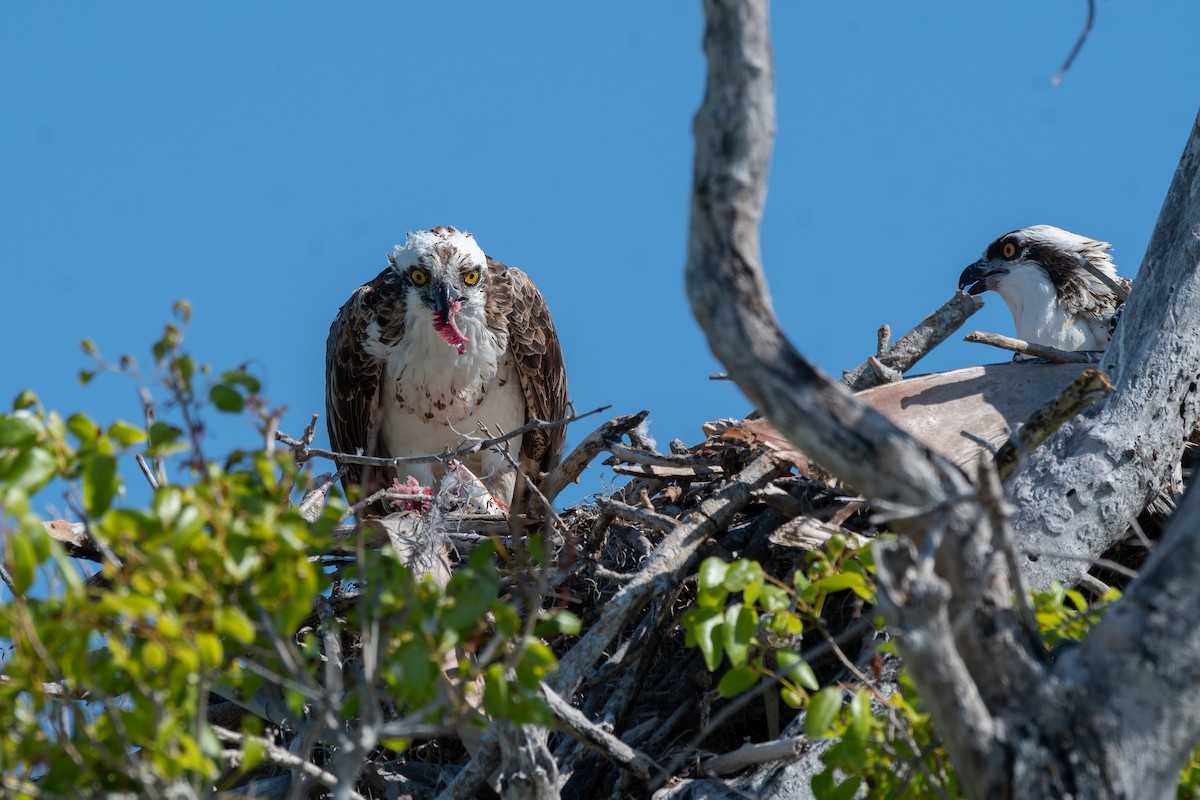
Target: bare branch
(1032,349)
(304,452)
(1087,29)
(755,753)
(572,722)
(283,758)
(1090,386)
(595,443)
(912,346)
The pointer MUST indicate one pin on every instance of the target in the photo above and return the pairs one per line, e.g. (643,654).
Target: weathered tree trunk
(1014,725)
(1077,495)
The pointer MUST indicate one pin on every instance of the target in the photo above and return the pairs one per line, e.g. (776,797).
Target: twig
(652,458)
(997,510)
(8,581)
(883,337)
(572,722)
(754,753)
(1087,29)
(1087,388)
(912,346)
(1097,587)
(304,452)
(283,758)
(669,473)
(146,471)
(595,443)
(314,499)
(148,410)
(651,519)
(1031,349)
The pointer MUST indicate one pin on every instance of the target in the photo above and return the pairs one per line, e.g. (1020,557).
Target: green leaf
(84,428)
(741,624)
(211,651)
(753,591)
(226,398)
(233,622)
(835,547)
(537,662)
(19,429)
(30,470)
(24,562)
(703,631)
(774,599)
(26,399)
(497,697)
(558,621)
(165,440)
(740,574)
(796,669)
(712,573)
(242,378)
(738,680)
(793,698)
(397,745)
(154,656)
(100,483)
(823,707)
(840,582)
(126,434)
(860,714)
(822,784)
(847,789)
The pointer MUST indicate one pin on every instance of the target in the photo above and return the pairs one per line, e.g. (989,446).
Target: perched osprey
(1053,298)
(443,340)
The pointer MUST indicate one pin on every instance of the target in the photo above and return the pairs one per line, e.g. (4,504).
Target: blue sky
(260,159)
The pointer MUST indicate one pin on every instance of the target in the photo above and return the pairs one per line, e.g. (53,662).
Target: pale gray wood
(1077,494)
(1014,725)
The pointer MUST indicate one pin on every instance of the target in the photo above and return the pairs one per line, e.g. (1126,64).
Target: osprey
(443,341)
(1053,298)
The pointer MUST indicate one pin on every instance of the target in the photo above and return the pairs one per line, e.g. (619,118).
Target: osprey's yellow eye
(1008,250)
(418,277)
(471,278)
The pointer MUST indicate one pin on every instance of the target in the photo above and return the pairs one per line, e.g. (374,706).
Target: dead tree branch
(1032,349)
(914,345)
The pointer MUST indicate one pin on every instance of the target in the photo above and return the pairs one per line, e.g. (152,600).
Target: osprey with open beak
(1054,299)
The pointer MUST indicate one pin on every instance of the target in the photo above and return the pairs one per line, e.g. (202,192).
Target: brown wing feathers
(539,361)
(351,376)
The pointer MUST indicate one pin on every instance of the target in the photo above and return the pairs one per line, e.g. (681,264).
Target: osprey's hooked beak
(977,274)
(442,298)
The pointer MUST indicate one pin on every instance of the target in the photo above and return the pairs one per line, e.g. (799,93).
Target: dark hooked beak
(442,296)
(976,274)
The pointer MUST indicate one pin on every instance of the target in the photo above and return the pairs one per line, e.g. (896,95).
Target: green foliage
(757,633)
(885,746)
(209,587)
